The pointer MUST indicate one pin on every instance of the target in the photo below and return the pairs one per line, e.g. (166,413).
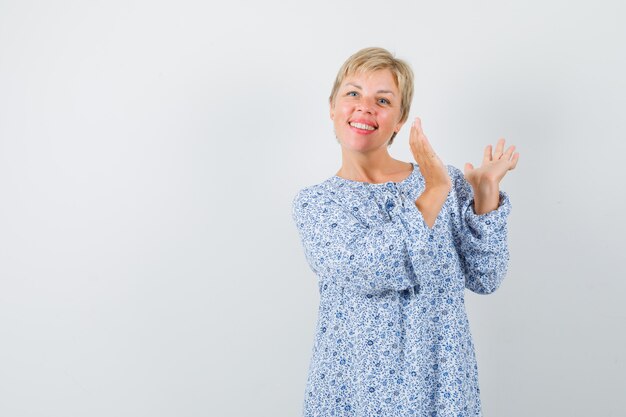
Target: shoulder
(308,200)
(308,194)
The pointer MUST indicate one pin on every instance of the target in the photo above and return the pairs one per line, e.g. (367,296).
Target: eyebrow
(379,91)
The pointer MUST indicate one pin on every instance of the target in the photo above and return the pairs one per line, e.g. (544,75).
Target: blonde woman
(394,245)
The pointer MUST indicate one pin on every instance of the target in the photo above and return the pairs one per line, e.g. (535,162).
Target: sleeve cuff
(492,220)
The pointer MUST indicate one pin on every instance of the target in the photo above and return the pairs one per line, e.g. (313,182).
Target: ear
(332,111)
(399,126)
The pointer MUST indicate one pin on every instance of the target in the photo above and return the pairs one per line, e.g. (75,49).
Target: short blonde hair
(373,59)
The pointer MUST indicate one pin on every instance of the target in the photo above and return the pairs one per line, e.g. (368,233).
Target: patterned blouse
(392,335)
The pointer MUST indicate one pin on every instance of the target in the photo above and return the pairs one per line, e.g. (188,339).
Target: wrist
(486,189)
(438,186)
(486,198)
(432,195)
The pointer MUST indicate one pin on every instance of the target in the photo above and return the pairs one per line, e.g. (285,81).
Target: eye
(384,101)
(352,92)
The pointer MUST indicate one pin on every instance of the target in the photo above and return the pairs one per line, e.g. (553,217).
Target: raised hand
(432,168)
(485,180)
(435,173)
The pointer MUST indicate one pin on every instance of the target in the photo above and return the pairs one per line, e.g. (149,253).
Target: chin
(360,145)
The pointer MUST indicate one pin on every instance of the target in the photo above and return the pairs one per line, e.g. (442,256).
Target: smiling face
(366,110)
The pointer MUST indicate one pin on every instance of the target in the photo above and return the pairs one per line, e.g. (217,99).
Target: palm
(494,166)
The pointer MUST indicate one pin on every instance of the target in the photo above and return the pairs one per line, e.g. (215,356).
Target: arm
(437,181)
(429,203)
(367,258)
(480,239)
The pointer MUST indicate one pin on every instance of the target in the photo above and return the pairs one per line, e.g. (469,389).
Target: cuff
(494,219)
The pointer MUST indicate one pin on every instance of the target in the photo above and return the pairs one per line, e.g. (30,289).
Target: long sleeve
(481,240)
(368,258)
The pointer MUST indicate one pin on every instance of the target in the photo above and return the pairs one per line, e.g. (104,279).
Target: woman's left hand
(485,180)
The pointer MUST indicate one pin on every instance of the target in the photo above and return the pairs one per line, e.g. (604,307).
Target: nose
(366,106)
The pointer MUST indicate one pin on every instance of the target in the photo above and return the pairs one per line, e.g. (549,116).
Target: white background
(150,151)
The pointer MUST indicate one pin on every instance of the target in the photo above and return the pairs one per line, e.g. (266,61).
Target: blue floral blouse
(392,336)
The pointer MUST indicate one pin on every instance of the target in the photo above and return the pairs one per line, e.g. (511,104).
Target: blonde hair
(373,59)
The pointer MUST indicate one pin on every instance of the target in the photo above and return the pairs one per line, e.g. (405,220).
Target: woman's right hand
(435,173)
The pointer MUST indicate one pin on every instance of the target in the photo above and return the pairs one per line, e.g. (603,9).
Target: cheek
(385,118)
(342,112)
(391,118)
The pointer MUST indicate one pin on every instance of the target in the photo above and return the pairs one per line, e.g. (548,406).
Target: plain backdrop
(150,152)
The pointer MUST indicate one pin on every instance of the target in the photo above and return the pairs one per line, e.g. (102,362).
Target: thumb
(468,167)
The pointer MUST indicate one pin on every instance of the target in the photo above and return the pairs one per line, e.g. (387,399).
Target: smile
(362,126)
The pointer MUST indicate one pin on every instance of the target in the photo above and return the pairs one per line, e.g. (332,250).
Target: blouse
(392,335)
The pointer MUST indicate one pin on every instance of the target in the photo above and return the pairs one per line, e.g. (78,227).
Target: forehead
(380,78)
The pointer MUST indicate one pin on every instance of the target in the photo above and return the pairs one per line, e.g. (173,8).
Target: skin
(374,97)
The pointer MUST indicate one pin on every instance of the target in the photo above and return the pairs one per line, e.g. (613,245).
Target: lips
(363,124)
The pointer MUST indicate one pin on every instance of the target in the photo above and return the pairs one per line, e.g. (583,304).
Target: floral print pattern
(392,336)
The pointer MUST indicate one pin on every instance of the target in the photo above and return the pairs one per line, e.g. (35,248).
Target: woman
(394,245)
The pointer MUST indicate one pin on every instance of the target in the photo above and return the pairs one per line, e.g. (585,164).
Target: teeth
(362,126)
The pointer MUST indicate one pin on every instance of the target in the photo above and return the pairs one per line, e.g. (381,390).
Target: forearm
(482,244)
(429,203)
(486,198)
(484,251)
(368,258)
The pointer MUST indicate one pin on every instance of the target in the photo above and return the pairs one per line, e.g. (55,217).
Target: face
(366,111)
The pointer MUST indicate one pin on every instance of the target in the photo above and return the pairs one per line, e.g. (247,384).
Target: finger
(422,144)
(514,161)
(422,152)
(426,144)
(417,126)
(499,148)
(467,168)
(416,131)
(420,137)
(417,142)
(487,154)
(509,152)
